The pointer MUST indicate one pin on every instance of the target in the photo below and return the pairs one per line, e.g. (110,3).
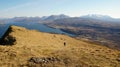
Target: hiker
(64,43)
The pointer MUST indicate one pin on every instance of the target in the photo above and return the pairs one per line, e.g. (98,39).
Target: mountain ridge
(43,19)
(94,29)
(101,17)
(30,46)
(54,17)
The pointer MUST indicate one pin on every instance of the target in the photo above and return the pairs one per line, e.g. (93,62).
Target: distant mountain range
(101,17)
(95,16)
(90,16)
(100,28)
(56,17)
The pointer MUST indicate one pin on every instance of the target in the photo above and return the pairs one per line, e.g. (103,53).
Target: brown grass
(76,53)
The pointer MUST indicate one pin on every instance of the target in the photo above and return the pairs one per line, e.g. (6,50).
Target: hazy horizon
(34,8)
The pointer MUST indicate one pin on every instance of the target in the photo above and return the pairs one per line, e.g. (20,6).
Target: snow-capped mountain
(99,17)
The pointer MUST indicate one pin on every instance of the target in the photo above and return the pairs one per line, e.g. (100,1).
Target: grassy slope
(104,33)
(37,44)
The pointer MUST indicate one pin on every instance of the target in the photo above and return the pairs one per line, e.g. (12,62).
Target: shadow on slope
(8,39)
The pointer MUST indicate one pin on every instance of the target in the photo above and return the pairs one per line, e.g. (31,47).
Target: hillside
(101,29)
(29,48)
(105,32)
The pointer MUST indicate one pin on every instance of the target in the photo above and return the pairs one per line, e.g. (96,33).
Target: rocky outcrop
(39,60)
(8,39)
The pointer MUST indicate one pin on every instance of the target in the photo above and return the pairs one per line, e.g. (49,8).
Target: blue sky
(12,8)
